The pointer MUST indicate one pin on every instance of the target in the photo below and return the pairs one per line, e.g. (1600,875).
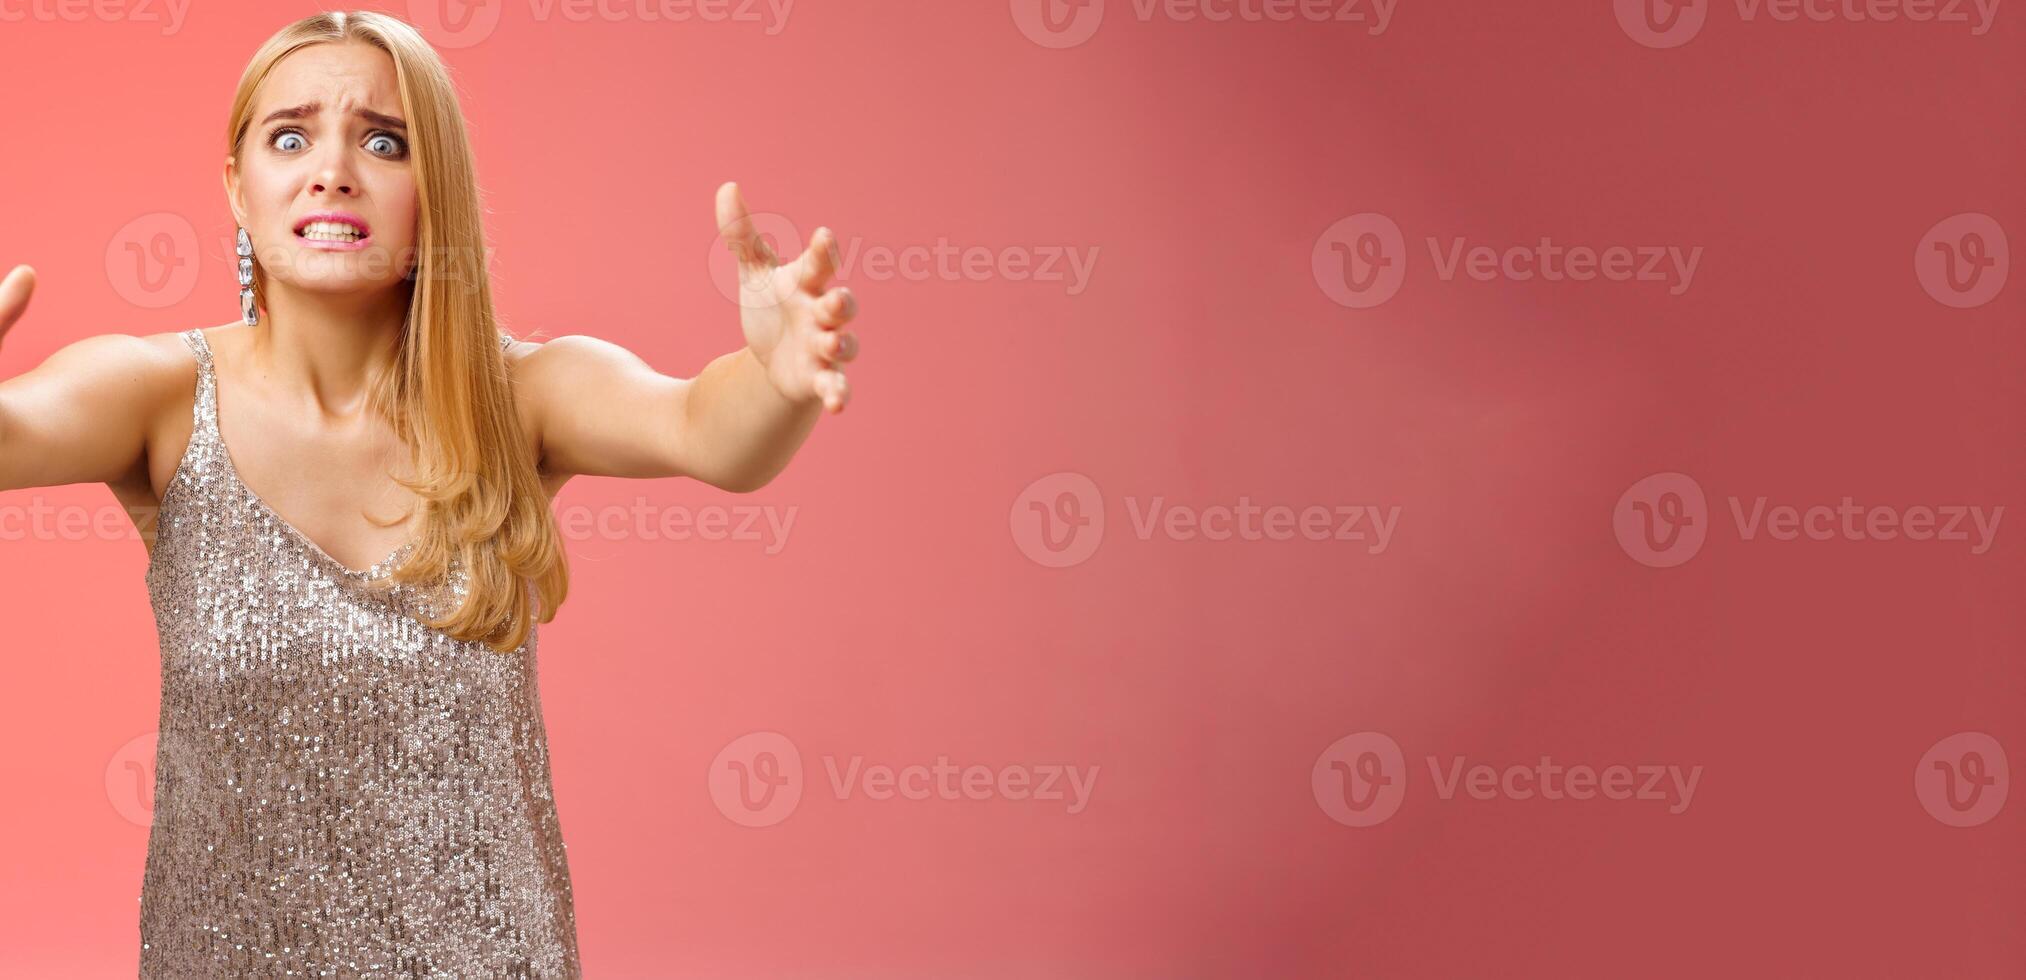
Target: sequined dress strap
(205,409)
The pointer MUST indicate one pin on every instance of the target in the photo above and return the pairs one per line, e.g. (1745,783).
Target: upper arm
(83,415)
(599,410)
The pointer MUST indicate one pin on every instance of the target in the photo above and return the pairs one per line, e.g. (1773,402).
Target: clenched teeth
(331,231)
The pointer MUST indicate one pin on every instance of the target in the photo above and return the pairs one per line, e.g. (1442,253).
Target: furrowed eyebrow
(381,119)
(310,109)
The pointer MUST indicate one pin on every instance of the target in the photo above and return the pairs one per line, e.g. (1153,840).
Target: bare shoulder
(585,399)
(566,353)
(538,370)
(137,370)
(109,401)
(544,369)
(120,351)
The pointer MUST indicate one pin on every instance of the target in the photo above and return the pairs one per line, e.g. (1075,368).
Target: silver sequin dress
(340,791)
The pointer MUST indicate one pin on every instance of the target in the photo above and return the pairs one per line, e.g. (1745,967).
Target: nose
(334,174)
(325,182)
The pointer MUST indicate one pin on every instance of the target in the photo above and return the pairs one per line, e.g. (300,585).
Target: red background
(902,621)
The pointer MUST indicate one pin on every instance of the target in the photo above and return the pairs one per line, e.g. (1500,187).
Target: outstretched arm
(602,411)
(81,415)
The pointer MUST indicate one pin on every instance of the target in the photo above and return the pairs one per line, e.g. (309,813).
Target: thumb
(14,293)
(736,227)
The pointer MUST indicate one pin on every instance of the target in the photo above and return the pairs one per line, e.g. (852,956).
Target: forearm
(739,430)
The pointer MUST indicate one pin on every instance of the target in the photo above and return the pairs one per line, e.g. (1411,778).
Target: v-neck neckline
(374,571)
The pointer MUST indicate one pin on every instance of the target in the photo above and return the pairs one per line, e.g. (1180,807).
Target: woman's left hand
(791,322)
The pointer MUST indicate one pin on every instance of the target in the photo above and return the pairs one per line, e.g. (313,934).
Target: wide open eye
(387,145)
(287,140)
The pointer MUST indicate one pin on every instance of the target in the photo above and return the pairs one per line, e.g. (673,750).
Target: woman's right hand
(14,293)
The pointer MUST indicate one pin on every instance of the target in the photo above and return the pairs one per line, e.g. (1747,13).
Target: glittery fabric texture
(340,790)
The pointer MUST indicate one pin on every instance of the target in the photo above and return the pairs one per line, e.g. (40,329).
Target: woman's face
(323,182)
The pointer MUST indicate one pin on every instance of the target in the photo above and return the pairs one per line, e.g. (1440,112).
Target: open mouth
(332,229)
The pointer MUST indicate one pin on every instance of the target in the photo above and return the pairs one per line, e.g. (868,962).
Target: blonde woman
(352,542)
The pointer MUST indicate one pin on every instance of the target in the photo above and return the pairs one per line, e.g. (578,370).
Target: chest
(334,483)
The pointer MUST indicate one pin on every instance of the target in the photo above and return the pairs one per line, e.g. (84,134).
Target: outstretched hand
(14,293)
(792,324)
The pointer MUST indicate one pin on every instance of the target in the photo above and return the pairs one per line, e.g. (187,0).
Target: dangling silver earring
(246,308)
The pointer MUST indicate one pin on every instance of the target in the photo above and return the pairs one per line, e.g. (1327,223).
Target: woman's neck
(330,347)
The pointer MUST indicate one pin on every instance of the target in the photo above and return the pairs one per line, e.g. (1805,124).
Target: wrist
(806,400)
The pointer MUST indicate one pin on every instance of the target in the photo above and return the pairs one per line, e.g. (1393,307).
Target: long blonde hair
(447,395)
